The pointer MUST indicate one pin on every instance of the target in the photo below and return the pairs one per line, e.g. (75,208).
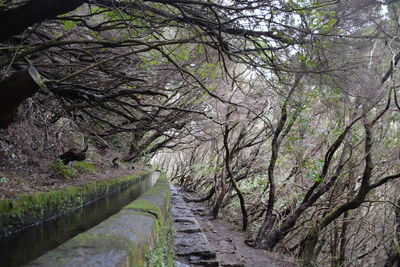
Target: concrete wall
(139,235)
(34,208)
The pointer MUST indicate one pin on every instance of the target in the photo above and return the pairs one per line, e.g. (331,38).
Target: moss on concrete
(163,253)
(141,234)
(157,201)
(163,179)
(84,249)
(148,207)
(160,196)
(30,209)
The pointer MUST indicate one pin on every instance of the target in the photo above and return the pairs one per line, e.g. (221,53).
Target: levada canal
(26,245)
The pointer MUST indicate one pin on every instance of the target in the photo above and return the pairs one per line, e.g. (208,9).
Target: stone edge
(30,209)
(125,247)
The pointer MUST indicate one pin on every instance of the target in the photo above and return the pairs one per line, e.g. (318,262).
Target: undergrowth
(66,172)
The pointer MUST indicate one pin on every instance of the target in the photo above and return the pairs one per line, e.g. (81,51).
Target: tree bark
(281,131)
(220,198)
(308,245)
(273,236)
(14,90)
(16,20)
(307,248)
(393,259)
(228,159)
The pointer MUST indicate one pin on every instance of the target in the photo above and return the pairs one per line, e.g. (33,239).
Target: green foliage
(206,169)
(163,253)
(84,167)
(314,168)
(253,184)
(209,70)
(63,171)
(69,24)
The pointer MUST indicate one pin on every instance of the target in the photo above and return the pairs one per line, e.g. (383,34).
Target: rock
(187,244)
(198,210)
(73,154)
(191,245)
(198,260)
(233,265)
(185,219)
(180,264)
(187,227)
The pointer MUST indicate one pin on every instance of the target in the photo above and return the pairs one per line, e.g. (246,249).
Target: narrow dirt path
(232,251)
(222,240)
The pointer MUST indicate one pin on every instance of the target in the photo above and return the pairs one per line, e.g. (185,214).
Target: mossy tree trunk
(308,253)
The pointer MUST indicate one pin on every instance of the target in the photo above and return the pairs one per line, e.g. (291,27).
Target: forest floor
(15,183)
(229,242)
(28,152)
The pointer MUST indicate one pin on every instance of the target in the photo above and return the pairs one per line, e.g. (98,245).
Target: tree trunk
(205,198)
(271,237)
(307,248)
(343,240)
(220,198)
(281,131)
(16,20)
(14,90)
(394,254)
(228,158)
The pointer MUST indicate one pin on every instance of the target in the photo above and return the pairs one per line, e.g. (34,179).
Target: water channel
(26,245)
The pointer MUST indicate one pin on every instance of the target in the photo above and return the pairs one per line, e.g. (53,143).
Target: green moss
(162,179)
(66,172)
(163,253)
(32,208)
(100,241)
(88,244)
(84,167)
(159,195)
(63,171)
(154,201)
(148,207)
(154,251)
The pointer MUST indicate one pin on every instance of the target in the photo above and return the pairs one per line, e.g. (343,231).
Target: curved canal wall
(139,235)
(30,209)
